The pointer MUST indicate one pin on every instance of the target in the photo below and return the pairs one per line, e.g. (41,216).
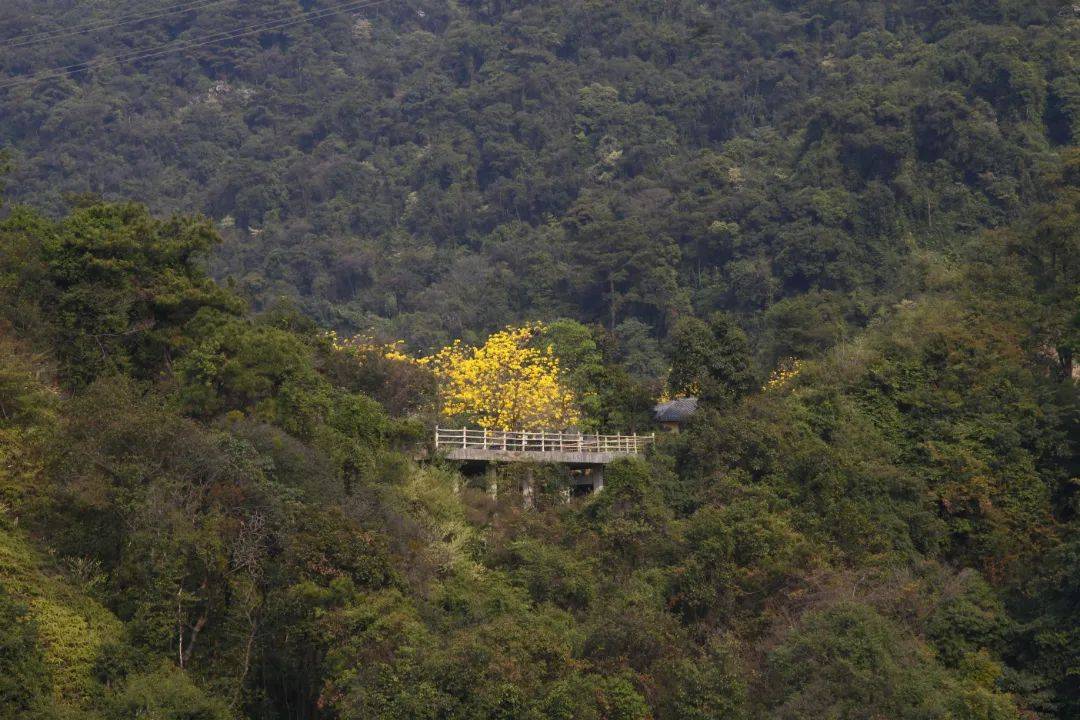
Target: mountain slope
(435,170)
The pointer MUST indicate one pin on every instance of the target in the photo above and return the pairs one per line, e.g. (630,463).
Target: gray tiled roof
(677,410)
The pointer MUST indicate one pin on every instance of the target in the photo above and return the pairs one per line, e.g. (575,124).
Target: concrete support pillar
(492,478)
(598,478)
(528,488)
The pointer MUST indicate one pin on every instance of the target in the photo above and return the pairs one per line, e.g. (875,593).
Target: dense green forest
(436,170)
(852,228)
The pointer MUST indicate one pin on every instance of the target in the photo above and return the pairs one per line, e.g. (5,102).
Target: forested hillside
(232,278)
(436,170)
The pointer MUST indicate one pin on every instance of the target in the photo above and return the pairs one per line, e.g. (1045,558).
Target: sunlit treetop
(511,382)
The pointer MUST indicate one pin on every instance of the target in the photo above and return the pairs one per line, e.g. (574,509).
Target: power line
(206,40)
(136,54)
(129,19)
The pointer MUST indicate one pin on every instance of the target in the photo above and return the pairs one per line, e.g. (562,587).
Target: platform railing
(526,441)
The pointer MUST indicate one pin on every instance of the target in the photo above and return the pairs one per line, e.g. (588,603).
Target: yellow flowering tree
(508,383)
(785,371)
(365,346)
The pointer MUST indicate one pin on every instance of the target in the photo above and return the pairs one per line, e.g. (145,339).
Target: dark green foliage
(971,617)
(711,361)
(582,363)
(243,513)
(630,513)
(637,351)
(709,686)
(1049,634)
(402,388)
(209,513)
(166,694)
(737,555)
(440,171)
(24,678)
(119,285)
(849,662)
(551,573)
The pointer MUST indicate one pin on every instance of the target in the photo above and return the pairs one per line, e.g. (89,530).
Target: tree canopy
(851,228)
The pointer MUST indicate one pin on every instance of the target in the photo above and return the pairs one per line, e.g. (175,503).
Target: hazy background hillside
(435,170)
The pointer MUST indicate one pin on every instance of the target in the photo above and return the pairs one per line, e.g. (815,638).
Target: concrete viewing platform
(583,455)
(573,449)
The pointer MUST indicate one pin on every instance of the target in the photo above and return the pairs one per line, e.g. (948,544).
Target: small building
(673,414)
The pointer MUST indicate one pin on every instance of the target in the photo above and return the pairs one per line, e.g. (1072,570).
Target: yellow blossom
(505,384)
(785,371)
